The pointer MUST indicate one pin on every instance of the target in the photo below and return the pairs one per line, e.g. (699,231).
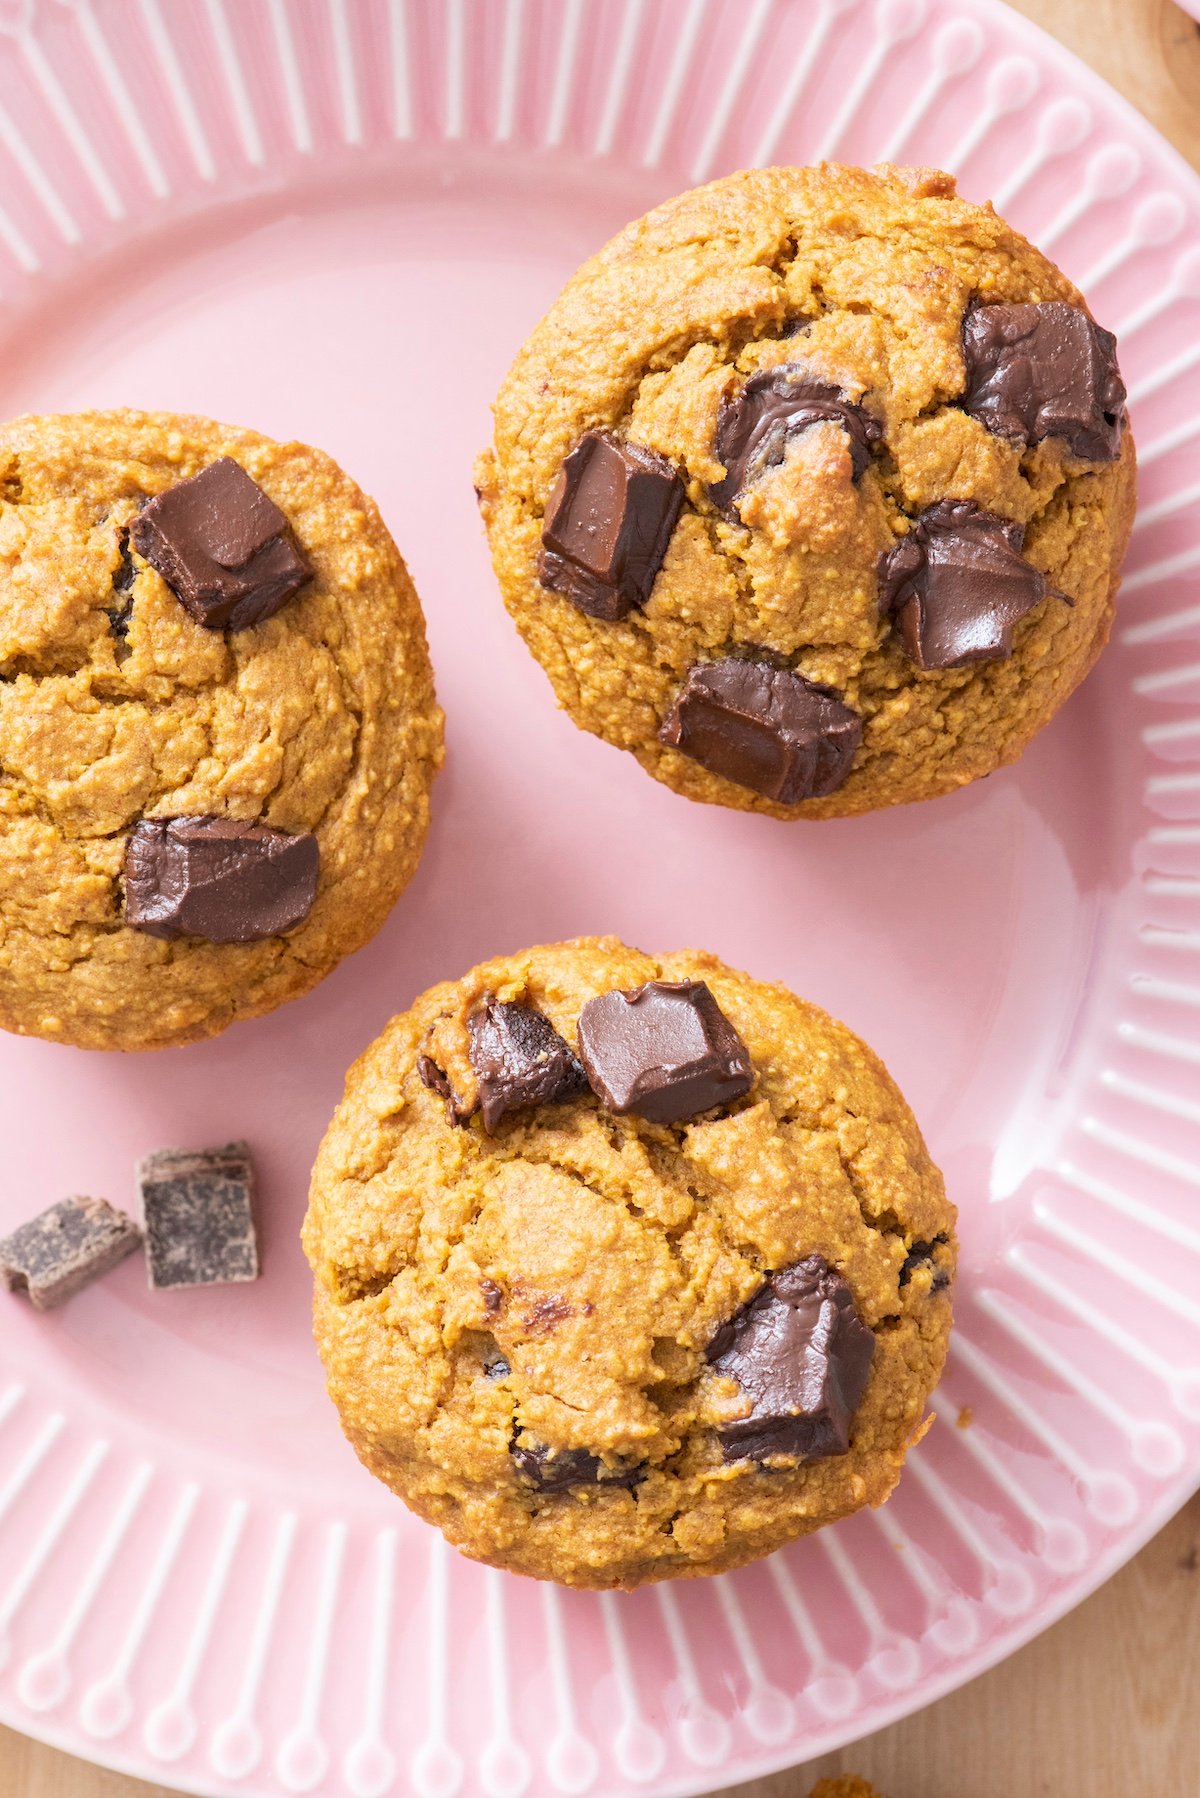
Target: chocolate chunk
(222,547)
(753,427)
(665,1050)
(801,1353)
(1047,370)
(438,1082)
(493,1294)
(58,1253)
(197,1211)
(923,1254)
(957,584)
(519,1059)
(558,1469)
(218,878)
(608,522)
(764,728)
(495,1367)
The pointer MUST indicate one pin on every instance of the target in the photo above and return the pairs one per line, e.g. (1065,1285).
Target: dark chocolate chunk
(58,1253)
(558,1469)
(218,878)
(754,425)
(198,1215)
(436,1079)
(1047,370)
(665,1050)
(519,1059)
(608,522)
(924,1254)
(801,1353)
(957,584)
(765,728)
(222,547)
(495,1367)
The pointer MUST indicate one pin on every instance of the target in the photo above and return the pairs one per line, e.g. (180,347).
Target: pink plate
(336,219)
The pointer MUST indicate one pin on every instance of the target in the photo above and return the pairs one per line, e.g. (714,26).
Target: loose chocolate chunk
(754,425)
(765,728)
(957,584)
(58,1253)
(197,1212)
(222,547)
(801,1353)
(519,1059)
(558,1469)
(665,1050)
(608,522)
(1047,370)
(218,878)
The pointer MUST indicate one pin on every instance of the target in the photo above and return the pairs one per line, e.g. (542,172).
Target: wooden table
(1107,1704)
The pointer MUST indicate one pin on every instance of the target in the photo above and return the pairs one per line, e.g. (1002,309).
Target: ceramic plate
(336,220)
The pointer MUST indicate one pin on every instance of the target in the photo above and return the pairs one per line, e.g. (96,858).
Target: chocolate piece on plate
(222,546)
(665,1051)
(198,1214)
(218,878)
(63,1249)
(608,522)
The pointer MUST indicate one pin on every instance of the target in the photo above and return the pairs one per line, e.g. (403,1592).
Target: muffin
(218,724)
(812,489)
(627,1267)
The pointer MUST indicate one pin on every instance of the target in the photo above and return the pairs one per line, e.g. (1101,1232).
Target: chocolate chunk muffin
(812,489)
(217,725)
(627,1267)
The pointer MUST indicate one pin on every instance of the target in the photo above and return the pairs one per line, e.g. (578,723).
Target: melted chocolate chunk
(665,1050)
(519,1059)
(222,547)
(764,728)
(921,1254)
(753,427)
(801,1353)
(438,1082)
(608,522)
(218,878)
(557,1470)
(957,584)
(1047,370)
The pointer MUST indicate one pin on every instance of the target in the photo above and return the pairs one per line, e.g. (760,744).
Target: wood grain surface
(1106,1704)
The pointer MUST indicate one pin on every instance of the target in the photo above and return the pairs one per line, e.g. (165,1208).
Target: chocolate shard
(63,1249)
(198,1214)
(222,546)
(764,728)
(519,1059)
(801,1354)
(665,1050)
(438,1081)
(1045,370)
(924,1254)
(559,1469)
(608,522)
(218,878)
(754,425)
(957,584)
